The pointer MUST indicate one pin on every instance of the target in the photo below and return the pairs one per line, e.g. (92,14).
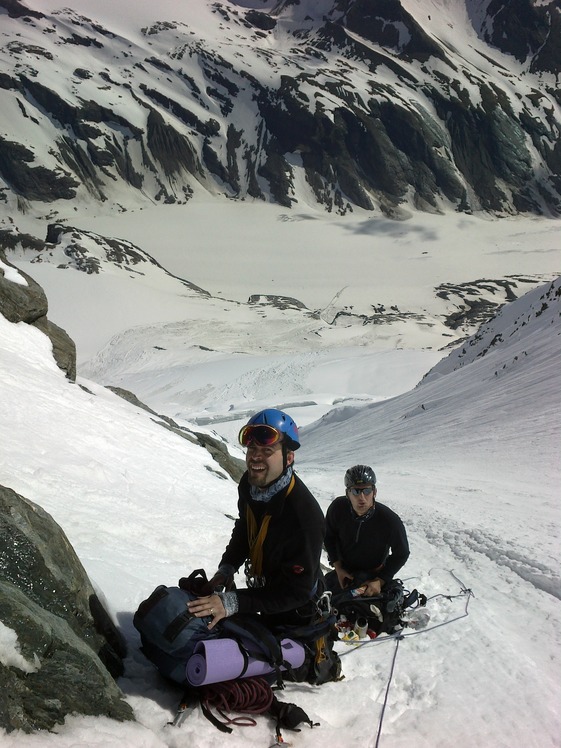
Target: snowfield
(469,458)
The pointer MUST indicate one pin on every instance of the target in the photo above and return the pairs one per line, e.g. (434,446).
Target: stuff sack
(322,664)
(381,614)
(169,633)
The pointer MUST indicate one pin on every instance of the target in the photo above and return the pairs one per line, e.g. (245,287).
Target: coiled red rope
(247,696)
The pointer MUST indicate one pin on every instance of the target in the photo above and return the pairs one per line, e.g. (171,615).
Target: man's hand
(373,587)
(208,606)
(218,582)
(344,577)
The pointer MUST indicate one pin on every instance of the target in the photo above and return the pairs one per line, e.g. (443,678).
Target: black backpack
(379,615)
(170,635)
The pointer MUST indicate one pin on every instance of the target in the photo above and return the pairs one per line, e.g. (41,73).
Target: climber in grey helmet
(366,541)
(278,534)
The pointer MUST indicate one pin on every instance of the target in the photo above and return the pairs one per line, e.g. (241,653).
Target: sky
(467,455)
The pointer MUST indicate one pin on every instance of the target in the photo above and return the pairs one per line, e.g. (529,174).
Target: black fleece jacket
(291,549)
(366,543)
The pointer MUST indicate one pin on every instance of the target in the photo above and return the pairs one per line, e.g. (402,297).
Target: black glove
(219,583)
(289,715)
(198,584)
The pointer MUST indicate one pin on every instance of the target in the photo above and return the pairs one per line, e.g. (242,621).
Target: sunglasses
(260,434)
(367,490)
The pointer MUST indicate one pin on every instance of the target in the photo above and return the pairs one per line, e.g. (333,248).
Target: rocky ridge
(325,103)
(61,650)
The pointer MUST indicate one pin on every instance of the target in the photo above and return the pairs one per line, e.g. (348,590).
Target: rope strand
(398,636)
(248,696)
(392,668)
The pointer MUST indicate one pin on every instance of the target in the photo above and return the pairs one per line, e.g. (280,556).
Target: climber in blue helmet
(278,534)
(270,427)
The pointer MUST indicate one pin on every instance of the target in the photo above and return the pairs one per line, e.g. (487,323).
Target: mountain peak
(342,104)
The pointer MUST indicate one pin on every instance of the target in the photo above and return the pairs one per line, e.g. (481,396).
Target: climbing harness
(255,538)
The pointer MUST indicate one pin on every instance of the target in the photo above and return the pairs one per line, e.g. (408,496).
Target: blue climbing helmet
(269,427)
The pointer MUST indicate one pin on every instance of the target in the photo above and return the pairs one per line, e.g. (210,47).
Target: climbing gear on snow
(400,635)
(381,613)
(249,697)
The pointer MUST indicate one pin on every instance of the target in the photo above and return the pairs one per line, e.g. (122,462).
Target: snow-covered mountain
(177,114)
(385,106)
(179,178)
(508,360)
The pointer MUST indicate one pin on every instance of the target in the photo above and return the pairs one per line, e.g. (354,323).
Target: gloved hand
(198,584)
(219,583)
(195,582)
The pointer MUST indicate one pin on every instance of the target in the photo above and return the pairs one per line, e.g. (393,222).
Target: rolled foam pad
(217,660)
(213,661)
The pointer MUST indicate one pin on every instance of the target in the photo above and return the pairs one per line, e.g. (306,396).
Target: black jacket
(291,549)
(366,543)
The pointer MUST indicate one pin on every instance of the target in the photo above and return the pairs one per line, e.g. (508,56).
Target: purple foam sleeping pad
(217,660)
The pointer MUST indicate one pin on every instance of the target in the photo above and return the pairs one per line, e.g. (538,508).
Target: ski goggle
(260,434)
(367,490)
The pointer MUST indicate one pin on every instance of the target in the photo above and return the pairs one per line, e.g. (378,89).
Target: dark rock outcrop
(366,102)
(234,467)
(16,9)
(526,30)
(26,302)
(64,649)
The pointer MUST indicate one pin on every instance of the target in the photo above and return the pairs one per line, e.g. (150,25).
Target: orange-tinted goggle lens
(260,434)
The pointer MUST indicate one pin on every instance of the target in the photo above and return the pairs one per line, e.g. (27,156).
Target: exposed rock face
(525,29)
(343,102)
(523,318)
(60,648)
(234,467)
(23,300)
(16,9)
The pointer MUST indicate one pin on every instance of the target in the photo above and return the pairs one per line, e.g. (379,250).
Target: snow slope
(474,473)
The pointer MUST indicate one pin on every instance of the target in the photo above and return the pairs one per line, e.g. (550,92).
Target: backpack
(176,642)
(173,639)
(168,632)
(253,695)
(378,615)
(295,653)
